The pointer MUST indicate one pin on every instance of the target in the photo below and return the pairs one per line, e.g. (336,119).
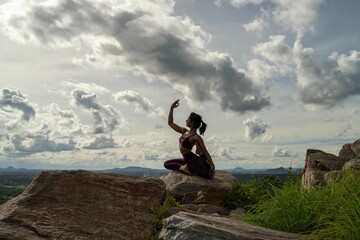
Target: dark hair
(198,122)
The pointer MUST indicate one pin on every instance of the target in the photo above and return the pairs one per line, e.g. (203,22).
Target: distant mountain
(12,169)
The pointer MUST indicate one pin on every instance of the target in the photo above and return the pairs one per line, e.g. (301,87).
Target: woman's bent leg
(198,164)
(174,164)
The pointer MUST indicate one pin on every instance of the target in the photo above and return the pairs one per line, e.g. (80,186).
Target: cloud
(239,3)
(105,116)
(140,37)
(280,151)
(254,127)
(53,129)
(14,99)
(343,131)
(320,82)
(34,143)
(142,104)
(87,87)
(226,154)
(275,50)
(156,143)
(258,25)
(296,15)
(99,142)
(326,83)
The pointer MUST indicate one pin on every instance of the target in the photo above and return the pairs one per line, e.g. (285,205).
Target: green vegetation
(161,212)
(12,184)
(330,211)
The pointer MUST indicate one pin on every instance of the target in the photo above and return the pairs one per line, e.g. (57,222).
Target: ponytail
(198,122)
(202,128)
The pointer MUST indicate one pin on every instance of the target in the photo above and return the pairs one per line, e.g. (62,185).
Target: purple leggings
(196,164)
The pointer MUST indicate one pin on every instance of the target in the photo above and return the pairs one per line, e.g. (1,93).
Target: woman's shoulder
(197,137)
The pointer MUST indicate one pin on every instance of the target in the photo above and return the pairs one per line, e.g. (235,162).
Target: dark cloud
(321,82)
(327,82)
(143,38)
(14,99)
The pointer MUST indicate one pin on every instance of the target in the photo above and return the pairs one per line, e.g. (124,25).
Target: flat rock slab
(196,190)
(82,205)
(188,226)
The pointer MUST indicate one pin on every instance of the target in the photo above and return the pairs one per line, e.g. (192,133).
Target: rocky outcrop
(321,166)
(82,205)
(196,190)
(189,226)
(350,151)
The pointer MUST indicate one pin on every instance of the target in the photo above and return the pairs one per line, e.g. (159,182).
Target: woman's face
(188,122)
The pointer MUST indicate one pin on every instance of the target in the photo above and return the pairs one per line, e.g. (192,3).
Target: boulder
(82,205)
(350,151)
(353,164)
(196,190)
(317,163)
(200,208)
(189,226)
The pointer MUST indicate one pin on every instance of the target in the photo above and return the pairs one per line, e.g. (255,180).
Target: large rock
(188,226)
(350,151)
(197,190)
(82,205)
(317,163)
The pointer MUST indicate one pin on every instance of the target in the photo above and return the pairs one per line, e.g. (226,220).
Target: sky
(88,84)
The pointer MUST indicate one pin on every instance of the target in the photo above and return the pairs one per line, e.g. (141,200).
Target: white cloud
(343,131)
(281,151)
(254,127)
(326,83)
(275,50)
(142,104)
(321,82)
(99,142)
(239,3)
(260,70)
(14,100)
(147,39)
(156,143)
(87,87)
(258,25)
(226,154)
(296,15)
(106,118)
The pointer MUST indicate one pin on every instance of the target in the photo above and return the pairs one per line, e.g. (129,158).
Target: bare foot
(184,169)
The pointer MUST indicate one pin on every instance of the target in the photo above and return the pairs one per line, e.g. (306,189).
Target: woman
(199,163)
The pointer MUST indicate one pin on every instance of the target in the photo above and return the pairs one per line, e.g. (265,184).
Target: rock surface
(189,226)
(317,163)
(82,205)
(325,167)
(196,190)
(350,151)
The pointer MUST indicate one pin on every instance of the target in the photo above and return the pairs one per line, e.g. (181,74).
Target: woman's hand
(175,104)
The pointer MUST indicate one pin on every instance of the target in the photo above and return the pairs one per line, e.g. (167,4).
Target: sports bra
(185,142)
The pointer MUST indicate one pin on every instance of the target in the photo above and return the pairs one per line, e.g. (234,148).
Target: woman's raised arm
(171,118)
